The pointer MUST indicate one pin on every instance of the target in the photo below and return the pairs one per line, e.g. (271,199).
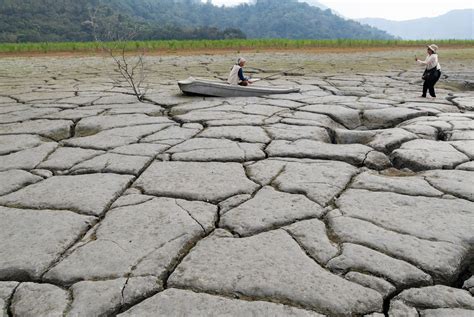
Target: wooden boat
(192,86)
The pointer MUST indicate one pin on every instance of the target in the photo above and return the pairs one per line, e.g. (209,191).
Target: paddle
(283,71)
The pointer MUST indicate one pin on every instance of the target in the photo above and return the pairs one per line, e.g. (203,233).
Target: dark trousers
(430,82)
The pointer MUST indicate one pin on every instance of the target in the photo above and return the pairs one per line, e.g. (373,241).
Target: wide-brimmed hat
(433,47)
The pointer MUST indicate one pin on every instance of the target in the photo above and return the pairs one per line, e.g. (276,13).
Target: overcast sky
(388,9)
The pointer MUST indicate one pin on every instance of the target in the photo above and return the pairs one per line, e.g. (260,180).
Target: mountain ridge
(455,24)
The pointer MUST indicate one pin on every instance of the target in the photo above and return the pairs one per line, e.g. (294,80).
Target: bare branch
(110,33)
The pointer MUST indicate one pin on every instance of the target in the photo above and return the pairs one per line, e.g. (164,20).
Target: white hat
(433,47)
(241,60)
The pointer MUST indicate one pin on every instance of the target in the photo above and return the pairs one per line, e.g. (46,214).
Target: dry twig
(109,35)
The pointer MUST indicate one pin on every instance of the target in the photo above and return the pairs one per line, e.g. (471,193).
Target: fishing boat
(203,87)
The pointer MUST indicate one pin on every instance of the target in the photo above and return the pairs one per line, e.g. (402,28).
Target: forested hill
(69,20)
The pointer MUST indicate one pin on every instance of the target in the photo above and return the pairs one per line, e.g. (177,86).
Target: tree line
(70,20)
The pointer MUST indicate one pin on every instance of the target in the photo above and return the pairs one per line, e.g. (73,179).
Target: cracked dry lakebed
(353,197)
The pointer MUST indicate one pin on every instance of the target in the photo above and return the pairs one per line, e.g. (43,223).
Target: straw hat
(433,47)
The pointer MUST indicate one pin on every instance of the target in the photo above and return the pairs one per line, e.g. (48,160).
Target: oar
(284,71)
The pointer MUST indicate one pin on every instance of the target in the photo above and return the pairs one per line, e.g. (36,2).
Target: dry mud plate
(353,197)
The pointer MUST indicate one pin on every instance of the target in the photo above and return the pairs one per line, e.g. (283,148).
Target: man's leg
(433,83)
(432,91)
(425,88)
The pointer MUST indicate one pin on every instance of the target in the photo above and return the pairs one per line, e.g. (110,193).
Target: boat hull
(218,89)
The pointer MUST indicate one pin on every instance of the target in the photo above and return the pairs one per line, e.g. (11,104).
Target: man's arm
(241,75)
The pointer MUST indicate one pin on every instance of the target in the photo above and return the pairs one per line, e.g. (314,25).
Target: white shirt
(431,61)
(233,78)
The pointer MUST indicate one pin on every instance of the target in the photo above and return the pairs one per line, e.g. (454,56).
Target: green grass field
(255,44)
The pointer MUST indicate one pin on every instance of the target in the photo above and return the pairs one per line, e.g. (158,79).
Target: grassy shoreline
(192,45)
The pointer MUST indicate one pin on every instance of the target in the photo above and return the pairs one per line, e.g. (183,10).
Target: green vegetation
(236,44)
(71,20)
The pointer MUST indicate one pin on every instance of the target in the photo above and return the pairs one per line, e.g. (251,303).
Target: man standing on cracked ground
(432,72)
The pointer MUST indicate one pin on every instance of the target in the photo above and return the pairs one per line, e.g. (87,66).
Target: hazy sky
(388,9)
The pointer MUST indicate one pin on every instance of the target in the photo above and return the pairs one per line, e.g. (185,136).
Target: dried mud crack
(353,197)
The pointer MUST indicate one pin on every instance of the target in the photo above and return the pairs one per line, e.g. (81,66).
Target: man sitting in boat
(236,76)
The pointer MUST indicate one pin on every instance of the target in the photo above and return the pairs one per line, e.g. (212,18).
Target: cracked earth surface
(353,197)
